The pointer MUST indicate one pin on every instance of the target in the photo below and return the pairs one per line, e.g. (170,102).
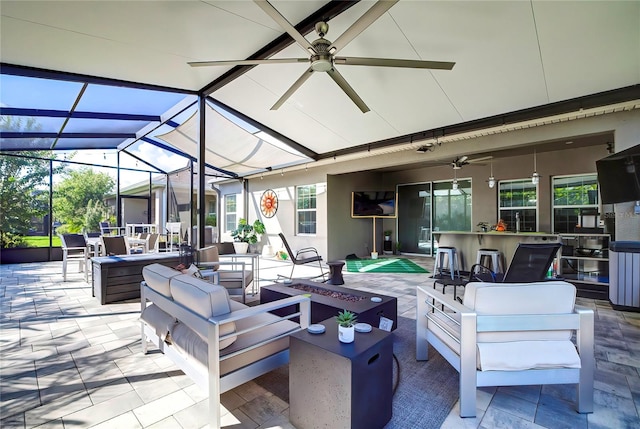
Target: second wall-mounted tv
(619,176)
(374,204)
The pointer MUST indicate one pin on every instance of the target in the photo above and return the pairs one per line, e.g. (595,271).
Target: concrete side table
(336,385)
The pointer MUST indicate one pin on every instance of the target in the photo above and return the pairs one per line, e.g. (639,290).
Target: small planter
(346,334)
(374,255)
(346,326)
(240,247)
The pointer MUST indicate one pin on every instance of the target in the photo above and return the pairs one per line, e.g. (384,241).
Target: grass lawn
(42,241)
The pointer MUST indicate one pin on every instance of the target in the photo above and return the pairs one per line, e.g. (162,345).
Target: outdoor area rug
(426,391)
(383,265)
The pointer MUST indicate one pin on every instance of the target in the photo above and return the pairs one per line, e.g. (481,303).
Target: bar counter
(468,243)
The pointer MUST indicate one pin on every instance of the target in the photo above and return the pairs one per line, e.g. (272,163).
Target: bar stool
(493,258)
(453,263)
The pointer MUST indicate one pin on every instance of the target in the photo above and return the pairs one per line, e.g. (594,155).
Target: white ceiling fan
(323,52)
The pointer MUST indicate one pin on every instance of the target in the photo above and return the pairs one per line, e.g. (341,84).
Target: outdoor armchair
(510,334)
(234,275)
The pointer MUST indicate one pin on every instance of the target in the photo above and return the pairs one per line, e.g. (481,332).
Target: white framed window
(230,212)
(306,209)
(575,202)
(518,198)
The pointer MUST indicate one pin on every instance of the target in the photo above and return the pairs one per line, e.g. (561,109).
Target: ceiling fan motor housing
(323,60)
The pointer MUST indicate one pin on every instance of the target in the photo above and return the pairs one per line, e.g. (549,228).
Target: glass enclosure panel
(24,202)
(179,199)
(414,218)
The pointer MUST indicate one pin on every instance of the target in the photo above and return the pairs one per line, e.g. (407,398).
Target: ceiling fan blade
(375,12)
(248,62)
(297,84)
(286,25)
(389,62)
(342,83)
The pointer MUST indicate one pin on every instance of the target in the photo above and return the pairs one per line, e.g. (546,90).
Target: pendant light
(492,180)
(454,185)
(535,177)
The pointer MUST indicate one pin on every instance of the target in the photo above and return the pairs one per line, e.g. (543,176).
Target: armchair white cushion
(510,334)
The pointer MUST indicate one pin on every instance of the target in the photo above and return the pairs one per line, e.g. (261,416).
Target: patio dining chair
(115,245)
(303,256)
(74,246)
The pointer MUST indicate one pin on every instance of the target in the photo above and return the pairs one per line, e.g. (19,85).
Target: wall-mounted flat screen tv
(619,176)
(374,204)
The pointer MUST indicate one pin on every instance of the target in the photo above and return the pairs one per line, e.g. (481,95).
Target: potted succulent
(346,326)
(246,234)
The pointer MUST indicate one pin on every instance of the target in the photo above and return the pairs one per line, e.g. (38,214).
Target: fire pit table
(327,300)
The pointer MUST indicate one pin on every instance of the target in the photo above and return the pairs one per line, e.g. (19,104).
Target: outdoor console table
(116,278)
(333,299)
(336,385)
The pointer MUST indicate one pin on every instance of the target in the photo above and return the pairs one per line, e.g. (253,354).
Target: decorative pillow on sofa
(161,321)
(193,270)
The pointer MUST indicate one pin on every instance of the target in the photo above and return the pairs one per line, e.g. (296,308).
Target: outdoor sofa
(218,342)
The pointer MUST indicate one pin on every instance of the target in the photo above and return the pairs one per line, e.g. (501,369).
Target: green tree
(95,213)
(77,191)
(24,182)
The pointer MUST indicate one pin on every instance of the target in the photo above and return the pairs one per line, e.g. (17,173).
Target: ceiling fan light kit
(322,52)
(535,177)
(492,180)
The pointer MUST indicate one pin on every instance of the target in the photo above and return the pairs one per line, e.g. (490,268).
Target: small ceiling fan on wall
(463,160)
(323,52)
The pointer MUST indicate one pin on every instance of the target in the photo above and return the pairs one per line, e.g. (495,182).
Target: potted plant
(387,235)
(246,234)
(346,326)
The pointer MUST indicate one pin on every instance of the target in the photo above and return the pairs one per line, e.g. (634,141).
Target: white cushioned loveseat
(218,342)
(506,334)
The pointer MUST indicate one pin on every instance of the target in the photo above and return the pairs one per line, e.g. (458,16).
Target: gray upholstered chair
(506,334)
(232,274)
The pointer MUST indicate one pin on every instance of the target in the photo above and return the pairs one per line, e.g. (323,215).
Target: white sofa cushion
(524,355)
(554,297)
(201,297)
(161,321)
(158,276)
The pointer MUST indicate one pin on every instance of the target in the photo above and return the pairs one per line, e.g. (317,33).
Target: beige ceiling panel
(596,45)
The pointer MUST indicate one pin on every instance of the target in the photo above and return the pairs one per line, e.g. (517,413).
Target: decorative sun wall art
(269,203)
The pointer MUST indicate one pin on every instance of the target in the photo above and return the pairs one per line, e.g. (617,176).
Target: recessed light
(569,142)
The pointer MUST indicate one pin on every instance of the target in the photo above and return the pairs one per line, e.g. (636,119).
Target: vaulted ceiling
(509,56)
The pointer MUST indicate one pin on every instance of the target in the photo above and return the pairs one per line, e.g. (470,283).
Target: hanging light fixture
(454,185)
(535,177)
(492,180)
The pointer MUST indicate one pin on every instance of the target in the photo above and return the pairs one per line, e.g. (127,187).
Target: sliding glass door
(414,218)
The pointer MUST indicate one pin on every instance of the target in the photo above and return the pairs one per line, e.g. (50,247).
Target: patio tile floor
(66,361)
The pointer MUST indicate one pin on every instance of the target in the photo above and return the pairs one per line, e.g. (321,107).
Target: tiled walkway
(68,362)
